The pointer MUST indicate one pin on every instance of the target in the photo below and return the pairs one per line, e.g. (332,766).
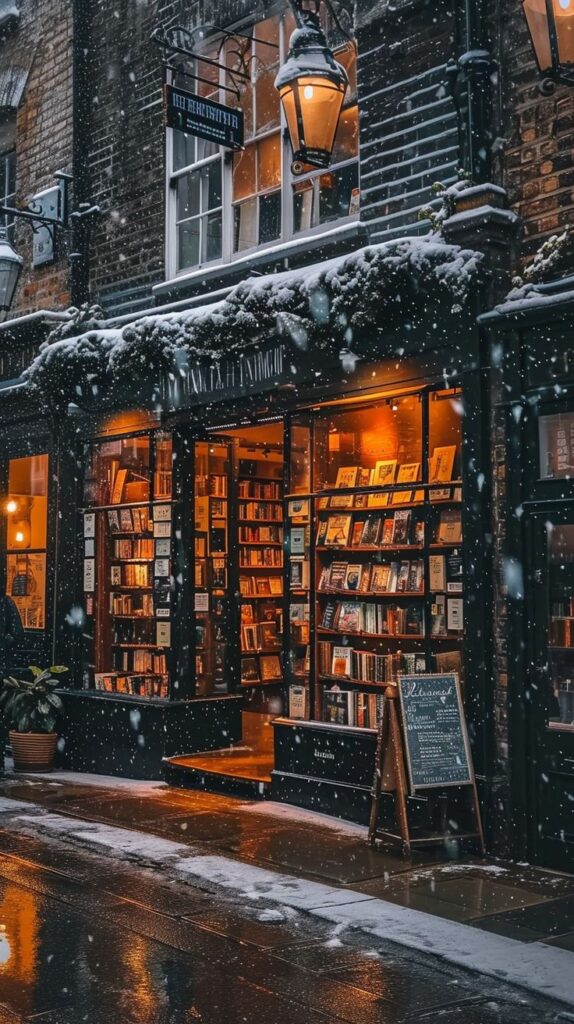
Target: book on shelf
(338,707)
(454,614)
(341,501)
(299,612)
(254,557)
(448,661)
(127,524)
(218,485)
(297,510)
(384,473)
(270,667)
(268,636)
(338,528)
(441,463)
(261,534)
(341,664)
(450,527)
(262,511)
(437,573)
(297,540)
(366,666)
(297,701)
(347,476)
(113,521)
(298,573)
(250,670)
(352,579)
(454,573)
(401,497)
(257,489)
(162,483)
(376,619)
(408,472)
(118,486)
(371,531)
(377,499)
(247,613)
(348,617)
(401,526)
(438,616)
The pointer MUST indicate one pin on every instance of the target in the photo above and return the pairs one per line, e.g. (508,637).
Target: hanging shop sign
(204,118)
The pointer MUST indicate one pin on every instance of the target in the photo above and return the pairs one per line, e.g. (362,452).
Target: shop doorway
(238,600)
(550,692)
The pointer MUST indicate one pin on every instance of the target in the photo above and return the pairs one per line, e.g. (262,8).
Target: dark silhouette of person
(11,631)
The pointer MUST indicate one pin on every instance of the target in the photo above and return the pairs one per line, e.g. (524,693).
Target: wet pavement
(90,938)
(519,902)
(86,939)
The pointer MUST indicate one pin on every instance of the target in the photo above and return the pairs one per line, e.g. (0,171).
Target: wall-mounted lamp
(312,87)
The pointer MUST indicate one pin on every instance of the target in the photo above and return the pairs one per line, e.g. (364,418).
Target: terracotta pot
(33,751)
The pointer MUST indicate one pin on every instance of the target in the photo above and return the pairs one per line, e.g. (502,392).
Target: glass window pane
(269,163)
(445,435)
(267,104)
(347,57)
(188,196)
(183,150)
(212,231)
(303,205)
(347,138)
(556,446)
(561,640)
(212,194)
(244,179)
(245,225)
(11,173)
(335,193)
(364,438)
(27,503)
(188,244)
(26,534)
(269,217)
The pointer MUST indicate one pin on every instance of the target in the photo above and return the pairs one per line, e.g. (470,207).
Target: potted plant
(30,709)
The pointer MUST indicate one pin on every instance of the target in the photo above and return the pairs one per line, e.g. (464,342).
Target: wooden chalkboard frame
(420,678)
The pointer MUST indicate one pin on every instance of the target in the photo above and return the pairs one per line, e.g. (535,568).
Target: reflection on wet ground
(86,939)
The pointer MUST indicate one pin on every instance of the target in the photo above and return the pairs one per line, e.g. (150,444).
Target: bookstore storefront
(251,584)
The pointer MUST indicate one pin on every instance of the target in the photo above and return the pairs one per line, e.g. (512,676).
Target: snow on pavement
(540,968)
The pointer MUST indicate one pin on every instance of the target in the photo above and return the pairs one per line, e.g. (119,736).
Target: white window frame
(287,234)
(7,198)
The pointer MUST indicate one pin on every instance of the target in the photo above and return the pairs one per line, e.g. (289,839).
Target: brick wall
(409,135)
(41,46)
(539,134)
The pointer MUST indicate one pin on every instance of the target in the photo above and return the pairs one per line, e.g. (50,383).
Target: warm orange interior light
(11,506)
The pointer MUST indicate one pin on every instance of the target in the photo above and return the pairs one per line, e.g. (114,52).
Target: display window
(375,567)
(26,533)
(126,529)
(328,553)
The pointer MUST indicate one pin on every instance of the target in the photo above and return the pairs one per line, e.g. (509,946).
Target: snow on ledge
(326,305)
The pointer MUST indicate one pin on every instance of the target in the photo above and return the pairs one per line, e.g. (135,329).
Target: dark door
(550,689)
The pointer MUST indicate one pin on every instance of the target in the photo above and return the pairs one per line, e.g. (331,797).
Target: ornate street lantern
(551,27)
(312,87)
(10,267)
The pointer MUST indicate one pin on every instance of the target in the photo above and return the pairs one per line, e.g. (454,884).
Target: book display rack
(260,556)
(126,536)
(377,542)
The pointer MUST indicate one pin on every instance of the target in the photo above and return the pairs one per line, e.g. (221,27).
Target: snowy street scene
(286,511)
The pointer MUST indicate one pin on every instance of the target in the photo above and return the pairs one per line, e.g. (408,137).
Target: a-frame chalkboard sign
(422,744)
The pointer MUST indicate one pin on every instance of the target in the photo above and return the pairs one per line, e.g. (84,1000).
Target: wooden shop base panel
(241,770)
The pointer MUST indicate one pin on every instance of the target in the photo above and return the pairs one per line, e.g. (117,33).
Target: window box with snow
(221,205)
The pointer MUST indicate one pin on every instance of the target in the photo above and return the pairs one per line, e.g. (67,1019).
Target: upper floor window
(8,189)
(222,205)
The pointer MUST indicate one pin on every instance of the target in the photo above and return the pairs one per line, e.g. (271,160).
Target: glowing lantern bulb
(11,505)
(19,537)
(308,90)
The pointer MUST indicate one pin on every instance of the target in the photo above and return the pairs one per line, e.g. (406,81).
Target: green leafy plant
(32,705)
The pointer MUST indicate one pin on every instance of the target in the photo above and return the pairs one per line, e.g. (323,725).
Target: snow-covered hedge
(326,306)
